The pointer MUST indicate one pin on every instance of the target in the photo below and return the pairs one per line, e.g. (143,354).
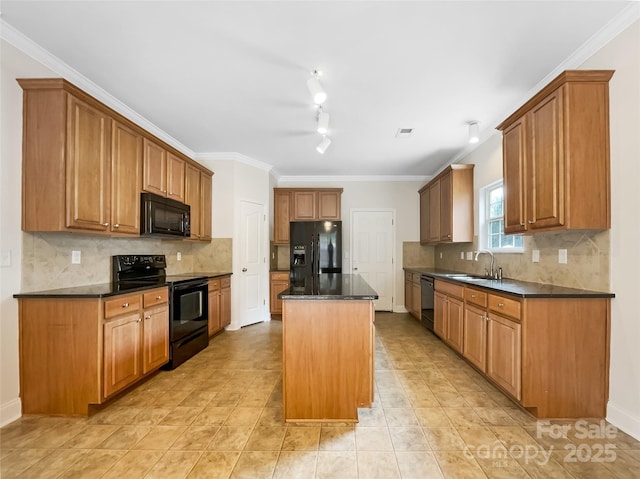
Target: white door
(372,247)
(251,263)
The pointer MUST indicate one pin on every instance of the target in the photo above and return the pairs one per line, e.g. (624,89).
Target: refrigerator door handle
(318,249)
(313,255)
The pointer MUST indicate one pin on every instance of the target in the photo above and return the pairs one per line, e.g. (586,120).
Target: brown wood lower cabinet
(75,352)
(279,281)
(219,304)
(412,296)
(550,354)
(328,354)
(449,314)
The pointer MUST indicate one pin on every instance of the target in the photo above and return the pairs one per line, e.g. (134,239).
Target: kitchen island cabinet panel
(328,359)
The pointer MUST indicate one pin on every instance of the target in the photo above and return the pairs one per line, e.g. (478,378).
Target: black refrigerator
(316,247)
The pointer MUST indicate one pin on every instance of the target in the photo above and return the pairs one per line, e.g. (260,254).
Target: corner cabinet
(75,352)
(446,207)
(84,165)
(556,156)
(303,204)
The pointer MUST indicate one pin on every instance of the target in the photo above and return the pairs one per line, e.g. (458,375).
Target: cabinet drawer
(475,296)
(225,282)
(157,296)
(506,306)
(280,276)
(450,288)
(121,304)
(214,285)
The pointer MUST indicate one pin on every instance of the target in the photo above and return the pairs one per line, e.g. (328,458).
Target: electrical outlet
(5,258)
(76,257)
(179,256)
(469,255)
(461,254)
(535,256)
(562,256)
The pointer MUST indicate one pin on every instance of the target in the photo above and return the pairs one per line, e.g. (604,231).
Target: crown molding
(23,43)
(352,178)
(233,156)
(597,41)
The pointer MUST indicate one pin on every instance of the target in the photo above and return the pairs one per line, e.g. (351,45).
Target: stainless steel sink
(469,278)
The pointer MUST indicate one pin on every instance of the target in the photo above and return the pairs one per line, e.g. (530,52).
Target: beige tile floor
(219,416)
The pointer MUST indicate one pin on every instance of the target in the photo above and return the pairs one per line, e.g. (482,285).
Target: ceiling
(230,76)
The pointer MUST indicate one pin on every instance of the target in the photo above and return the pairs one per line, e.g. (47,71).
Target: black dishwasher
(426,301)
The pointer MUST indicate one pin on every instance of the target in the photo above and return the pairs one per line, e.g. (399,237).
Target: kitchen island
(328,336)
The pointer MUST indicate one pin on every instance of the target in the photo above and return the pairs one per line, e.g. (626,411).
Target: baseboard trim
(400,309)
(624,420)
(10,411)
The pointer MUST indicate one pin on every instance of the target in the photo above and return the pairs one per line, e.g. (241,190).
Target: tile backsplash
(46,257)
(587,259)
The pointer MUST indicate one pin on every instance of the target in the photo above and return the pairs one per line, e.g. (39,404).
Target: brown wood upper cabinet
(198,197)
(303,204)
(164,172)
(84,165)
(556,156)
(81,165)
(446,206)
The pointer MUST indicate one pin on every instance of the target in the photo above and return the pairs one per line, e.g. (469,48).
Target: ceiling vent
(404,132)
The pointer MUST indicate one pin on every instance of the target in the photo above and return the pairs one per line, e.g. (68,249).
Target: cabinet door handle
(147,317)
(500,305)
(473,295)
(158,297)
(116,225)
(521,223)
(531,222)
(125,305)
(105,224)
(448,236)
(138,320)
(486,318)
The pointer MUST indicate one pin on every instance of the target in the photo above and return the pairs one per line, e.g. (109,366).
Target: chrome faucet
(478,253)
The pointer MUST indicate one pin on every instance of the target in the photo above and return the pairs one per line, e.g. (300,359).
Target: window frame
(483,220)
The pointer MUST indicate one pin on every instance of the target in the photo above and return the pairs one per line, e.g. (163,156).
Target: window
(492,222)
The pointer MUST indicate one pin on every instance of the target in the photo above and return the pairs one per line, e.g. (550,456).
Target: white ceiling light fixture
(318,94)
(324,144)
(323,122)
(474,132)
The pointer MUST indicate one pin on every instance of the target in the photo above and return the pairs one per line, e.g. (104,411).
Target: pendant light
(318,94)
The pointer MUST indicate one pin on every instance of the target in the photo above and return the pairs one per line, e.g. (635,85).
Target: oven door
(189,308)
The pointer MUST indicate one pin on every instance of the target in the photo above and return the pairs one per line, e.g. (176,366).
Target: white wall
(13,65)
(402,196)
(623,55)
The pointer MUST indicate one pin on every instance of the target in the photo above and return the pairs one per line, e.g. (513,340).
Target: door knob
(244,270)
(355,269)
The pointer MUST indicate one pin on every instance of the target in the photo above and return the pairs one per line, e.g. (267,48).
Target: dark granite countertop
(522,289)
(104,290)
(331,286)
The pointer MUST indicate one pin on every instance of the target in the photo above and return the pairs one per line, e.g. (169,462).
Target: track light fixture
(323,121)
(318,94)
(474,132)
(324,144)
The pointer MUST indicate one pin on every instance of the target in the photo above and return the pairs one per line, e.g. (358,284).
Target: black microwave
(163,217)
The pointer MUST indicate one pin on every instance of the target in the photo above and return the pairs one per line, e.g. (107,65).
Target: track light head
(323,122)
(318,94)
(324,144)
(474,132)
